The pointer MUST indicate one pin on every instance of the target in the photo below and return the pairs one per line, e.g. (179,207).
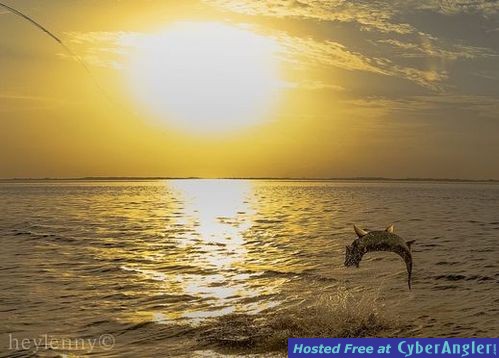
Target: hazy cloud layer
(483,7)
(430,49)
(106,49)
(371,15)
(480,106)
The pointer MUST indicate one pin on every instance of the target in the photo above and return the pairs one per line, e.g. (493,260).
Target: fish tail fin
(408,264)
(409,278)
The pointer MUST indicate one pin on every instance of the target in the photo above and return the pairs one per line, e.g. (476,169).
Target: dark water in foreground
(194,267)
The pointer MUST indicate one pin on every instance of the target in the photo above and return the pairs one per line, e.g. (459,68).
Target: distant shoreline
(371,179)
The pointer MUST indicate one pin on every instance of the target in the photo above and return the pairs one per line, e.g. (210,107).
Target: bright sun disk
(206,77)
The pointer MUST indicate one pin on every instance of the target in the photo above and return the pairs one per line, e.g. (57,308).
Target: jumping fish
(384,240)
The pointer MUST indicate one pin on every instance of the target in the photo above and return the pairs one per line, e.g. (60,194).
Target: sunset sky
(269,88)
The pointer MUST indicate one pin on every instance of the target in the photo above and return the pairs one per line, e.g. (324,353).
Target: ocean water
(207,267)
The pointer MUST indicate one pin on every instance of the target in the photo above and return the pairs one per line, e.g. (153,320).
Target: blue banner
(393,347)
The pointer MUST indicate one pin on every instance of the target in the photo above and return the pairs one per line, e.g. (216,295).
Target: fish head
(352,256)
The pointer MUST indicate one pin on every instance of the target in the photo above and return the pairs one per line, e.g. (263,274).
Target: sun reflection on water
(220,213)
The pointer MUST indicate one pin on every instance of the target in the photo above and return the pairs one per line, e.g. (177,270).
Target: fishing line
(61,43)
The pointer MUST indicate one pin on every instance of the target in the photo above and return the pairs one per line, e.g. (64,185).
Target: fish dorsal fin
(359,231)
(390,229)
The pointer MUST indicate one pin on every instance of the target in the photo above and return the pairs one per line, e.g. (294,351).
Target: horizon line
(138,178)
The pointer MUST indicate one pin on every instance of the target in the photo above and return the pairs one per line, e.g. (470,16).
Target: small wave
(430,245)
(140,325)
(450,263)
(268,221)
(446,287)
(97,323)
(117,296)
(97,270)
(275,273)
(458,277)
(22,233)
(31,235)
(474,221)
(322,278)
(169,298)
(479,278)
(9,268)
(450,277)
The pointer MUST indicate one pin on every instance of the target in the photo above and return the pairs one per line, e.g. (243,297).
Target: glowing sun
(206,76)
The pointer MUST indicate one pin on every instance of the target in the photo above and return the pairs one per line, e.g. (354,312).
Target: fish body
(383,240)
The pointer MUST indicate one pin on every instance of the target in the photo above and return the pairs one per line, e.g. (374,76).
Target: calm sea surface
(159,264)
